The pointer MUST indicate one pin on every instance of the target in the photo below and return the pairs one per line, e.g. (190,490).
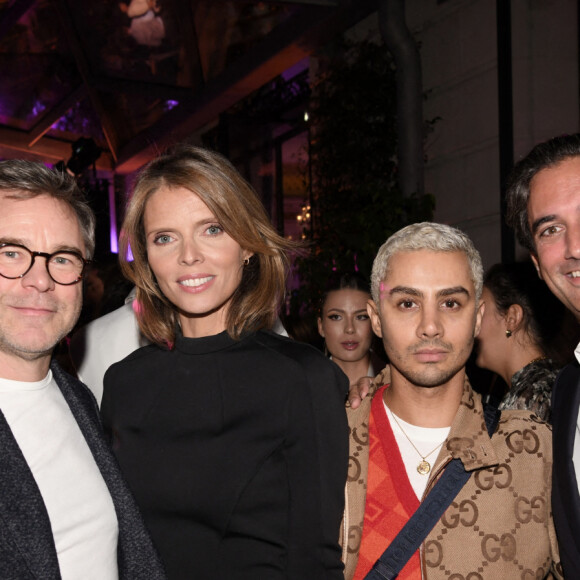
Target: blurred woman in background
(521,336)
(346,327)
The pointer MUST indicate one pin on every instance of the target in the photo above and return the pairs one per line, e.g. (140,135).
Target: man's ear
(479,317)
(373,312)
(537,265)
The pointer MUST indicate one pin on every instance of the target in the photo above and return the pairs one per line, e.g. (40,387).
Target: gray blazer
(27,549)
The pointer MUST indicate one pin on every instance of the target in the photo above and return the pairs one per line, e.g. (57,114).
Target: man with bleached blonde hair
(424,416)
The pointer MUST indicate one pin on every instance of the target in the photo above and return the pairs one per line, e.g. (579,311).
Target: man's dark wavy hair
(542,156)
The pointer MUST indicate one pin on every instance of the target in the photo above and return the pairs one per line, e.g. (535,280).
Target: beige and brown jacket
(499,526)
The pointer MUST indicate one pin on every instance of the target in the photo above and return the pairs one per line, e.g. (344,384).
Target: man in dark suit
(544,209)
(65,511)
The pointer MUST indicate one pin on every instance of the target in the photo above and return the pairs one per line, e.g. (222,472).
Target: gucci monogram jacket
(500,523)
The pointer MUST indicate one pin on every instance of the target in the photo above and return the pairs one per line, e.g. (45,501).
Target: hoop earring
(246,261)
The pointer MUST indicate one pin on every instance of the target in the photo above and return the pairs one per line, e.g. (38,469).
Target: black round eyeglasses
(65,267)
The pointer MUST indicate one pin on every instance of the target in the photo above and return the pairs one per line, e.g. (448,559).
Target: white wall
(458,47)
(459,59)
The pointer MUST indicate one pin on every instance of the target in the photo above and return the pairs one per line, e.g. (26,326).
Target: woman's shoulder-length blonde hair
(207,174)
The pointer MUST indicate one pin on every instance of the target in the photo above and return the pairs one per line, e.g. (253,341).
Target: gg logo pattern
(359,440)
(354,539)
(499,525)
(502,515)
(351,530)
(465,513)
(500,476)
(525,441)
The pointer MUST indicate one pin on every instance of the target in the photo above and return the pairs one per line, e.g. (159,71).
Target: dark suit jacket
(27,548)
(565,495)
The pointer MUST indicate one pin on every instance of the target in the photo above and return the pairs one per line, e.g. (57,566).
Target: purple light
(113,221)
(37,108)
(296,69)
(170,104)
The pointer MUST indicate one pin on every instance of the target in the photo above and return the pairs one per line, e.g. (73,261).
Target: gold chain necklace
(424,466)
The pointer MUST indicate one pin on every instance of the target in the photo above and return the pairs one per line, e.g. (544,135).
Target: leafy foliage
(356,203)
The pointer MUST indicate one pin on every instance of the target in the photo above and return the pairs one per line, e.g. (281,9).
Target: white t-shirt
(79,505)
(103,342)
(428,440)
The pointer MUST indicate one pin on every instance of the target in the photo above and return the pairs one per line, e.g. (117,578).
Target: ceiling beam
(190,47)
(14,144)
(132,87)
(44,125)
(105,118)
(13,14)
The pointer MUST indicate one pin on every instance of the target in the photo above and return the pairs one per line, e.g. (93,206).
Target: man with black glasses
(65,511)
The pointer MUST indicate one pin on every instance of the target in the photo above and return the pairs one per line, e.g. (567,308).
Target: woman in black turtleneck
(232,438)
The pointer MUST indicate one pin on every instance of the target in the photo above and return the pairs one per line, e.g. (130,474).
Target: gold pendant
(424,467)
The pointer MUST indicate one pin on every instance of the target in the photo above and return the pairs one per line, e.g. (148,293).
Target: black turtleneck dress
(236,452)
